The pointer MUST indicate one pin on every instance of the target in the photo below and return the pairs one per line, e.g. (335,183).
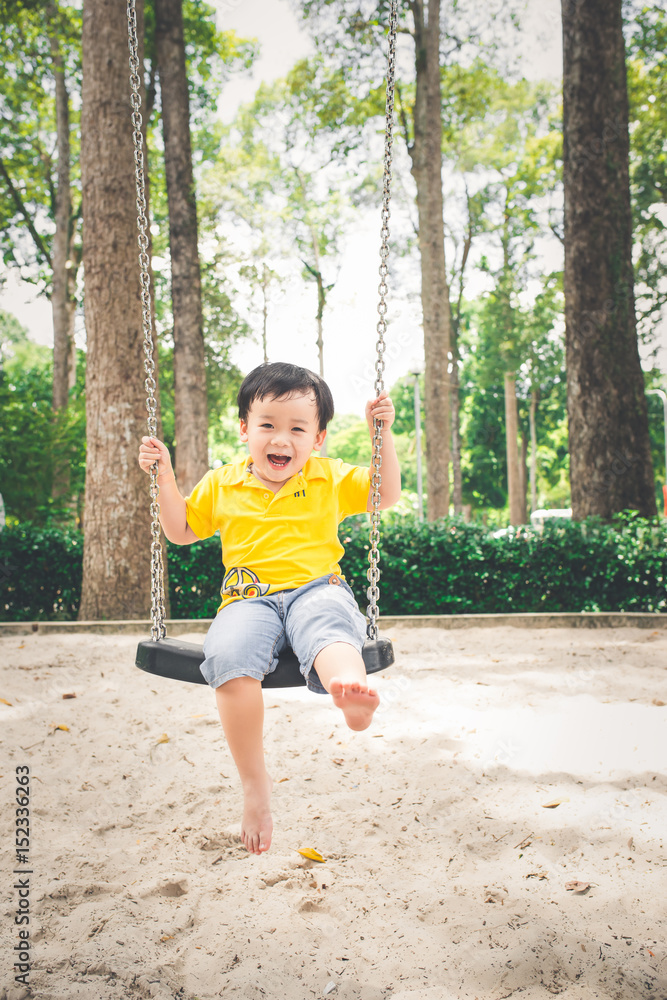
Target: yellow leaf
(164,738)
(554,803)
(5,702)
(311,854)
(62,726)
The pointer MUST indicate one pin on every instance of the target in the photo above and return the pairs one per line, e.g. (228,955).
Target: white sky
(350,318)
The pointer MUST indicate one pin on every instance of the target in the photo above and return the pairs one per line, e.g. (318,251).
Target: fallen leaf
(536,875)
(69,696)
(167,937)
(554,803)
(163,739)
(310,853)
(61,725)
(577,886)
(656,701)
(5,702)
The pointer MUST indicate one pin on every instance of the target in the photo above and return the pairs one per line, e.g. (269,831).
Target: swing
(173,657)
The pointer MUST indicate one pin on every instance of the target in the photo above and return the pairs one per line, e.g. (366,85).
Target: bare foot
(257,825)
(358,701)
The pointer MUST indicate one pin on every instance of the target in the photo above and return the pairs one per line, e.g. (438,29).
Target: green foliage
(28,158)
(40,573)
(647,85)
(448,567)
(35,441)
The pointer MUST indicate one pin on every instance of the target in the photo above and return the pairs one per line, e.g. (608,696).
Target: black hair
(281,379)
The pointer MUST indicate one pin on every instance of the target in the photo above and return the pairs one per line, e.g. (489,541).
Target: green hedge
(448,567)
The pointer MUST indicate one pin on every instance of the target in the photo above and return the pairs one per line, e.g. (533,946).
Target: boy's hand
(382,408)
(152,450)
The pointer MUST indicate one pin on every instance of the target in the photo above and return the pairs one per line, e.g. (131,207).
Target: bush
(450,567)
(447,567)
(40,573)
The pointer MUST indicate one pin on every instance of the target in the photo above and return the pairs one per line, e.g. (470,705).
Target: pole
(663,396)
(418,442)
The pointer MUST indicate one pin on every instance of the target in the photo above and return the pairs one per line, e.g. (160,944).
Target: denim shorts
(247,635)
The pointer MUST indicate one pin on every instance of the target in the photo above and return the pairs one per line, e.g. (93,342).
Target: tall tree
(278,172)
(426,157)
(190,402)
(610,456)
(40,176)
(355,34)
(116,558)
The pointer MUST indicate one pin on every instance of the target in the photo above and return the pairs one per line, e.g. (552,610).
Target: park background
(286,130)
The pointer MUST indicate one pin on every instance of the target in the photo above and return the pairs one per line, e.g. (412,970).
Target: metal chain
(373,573)
(158,630)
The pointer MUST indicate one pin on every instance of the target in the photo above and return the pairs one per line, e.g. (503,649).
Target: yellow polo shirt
(277,541)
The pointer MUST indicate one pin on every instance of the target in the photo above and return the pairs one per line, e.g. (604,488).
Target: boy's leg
(342,672)
(241,646)
(241,707)
(326,629)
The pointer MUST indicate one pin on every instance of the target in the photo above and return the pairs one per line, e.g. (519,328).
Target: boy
(278,512)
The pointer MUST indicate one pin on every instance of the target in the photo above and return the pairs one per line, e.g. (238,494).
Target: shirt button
(266,496)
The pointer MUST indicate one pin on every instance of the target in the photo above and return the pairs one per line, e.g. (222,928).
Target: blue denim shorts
(248,635)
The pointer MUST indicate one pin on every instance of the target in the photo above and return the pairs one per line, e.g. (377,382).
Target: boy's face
(281,433)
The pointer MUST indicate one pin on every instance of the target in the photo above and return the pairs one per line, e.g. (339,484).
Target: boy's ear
(243,430)
(319,439)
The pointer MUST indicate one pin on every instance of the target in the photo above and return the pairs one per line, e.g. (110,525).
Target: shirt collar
(237,472)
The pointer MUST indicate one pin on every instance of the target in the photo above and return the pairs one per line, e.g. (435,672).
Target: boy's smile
(281,434)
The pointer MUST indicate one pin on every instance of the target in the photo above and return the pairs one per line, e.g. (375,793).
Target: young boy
(278,512)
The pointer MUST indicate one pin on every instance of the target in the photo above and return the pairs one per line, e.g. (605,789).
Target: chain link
(158,630)
(373,573)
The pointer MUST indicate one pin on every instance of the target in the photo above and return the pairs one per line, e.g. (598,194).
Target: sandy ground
(445,875)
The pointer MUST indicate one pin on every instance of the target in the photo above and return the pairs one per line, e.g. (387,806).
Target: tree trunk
(523,477)
(512,449)
(610,457)
(426,156)
(265,311)
(62,294)
(532,417)
(63,303)
(455,326)
(116,559)
(190,399)
(457,479)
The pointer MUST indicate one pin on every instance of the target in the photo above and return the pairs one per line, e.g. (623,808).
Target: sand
(445,875)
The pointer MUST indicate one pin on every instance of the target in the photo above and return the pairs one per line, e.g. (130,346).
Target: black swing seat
(181,661)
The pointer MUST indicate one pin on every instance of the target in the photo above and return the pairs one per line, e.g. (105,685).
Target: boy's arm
(390,471)
(172,505)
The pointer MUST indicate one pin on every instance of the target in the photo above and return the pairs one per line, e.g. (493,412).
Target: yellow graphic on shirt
(242,582)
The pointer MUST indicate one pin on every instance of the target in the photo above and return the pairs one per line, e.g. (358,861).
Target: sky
(351,316)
